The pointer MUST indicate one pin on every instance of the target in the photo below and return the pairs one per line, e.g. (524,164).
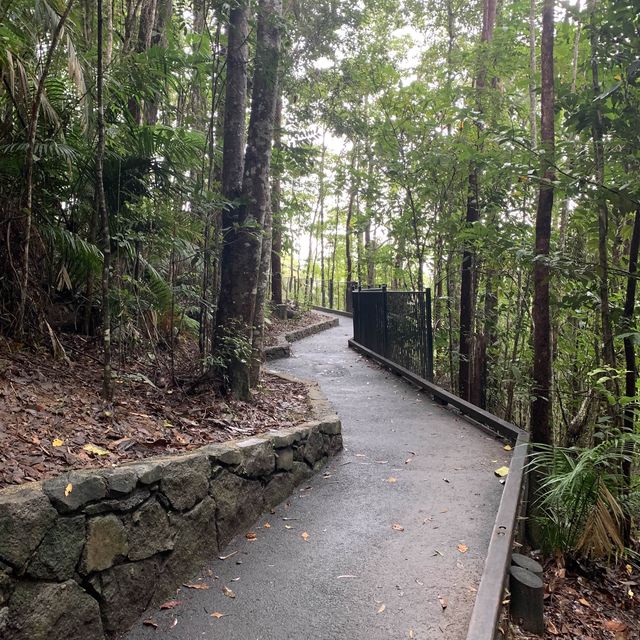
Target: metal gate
(396,325)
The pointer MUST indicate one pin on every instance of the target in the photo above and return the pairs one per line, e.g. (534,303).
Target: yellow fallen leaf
(507,447)
(501,472)
(382,608)
(68,489)
(629,568)
(92,448)
(584,602)
(305,536)
(57,442)
(228,592)
(397,527)
(251,535)
(217,615)
(630,593)
(391,480)
(266,525)
(462,548)
(196,585)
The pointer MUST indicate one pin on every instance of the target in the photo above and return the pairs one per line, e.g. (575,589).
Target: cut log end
(527,599)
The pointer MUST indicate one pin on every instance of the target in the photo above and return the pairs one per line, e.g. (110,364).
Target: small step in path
(407,462)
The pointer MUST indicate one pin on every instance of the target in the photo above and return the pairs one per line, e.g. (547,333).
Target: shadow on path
(408,462)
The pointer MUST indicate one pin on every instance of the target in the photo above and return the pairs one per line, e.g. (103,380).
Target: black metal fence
(396,325)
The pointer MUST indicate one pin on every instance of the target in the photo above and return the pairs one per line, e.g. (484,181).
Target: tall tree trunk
(541,428)
(349,222)
(608,353)
(533,126)
(321,214)
(276,196)
(631,375)
(23,280)
(467,293)
(242,249)
(107,380)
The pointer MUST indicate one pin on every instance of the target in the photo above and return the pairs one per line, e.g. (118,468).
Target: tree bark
(467,293)
(276,196)
(241,255)
(541,428)
(107,380)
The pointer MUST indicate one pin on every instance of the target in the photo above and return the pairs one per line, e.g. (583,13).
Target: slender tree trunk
(276,196)
(321,214)
(541,428)
(107,380)
(23,281)
(631,374)
(349,222)
(467,293)
(241,257)
(608,352)
(533,126)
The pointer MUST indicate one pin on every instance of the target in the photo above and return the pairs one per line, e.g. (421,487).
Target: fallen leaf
(68,489)
(420,583)
(266,525)
(98,451)
(411,634)
(197,585)
(174,623)
(444,602)
(615,625)
(251,535)
(501,472)
(629,568)
(288,526)
(217,615)
(171,604)
(150,623)
(397,527)
(57,442)
(463,548)
(391,480)
(582,601)
(382,608)
(230,555)
(507,447)
(304,536)
(228,592)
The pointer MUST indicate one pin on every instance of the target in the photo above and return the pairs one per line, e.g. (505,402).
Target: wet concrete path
(397,526)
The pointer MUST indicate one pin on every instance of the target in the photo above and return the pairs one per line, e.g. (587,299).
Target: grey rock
(120,481)
(25,517)
(239,503)
(330,425)
(4,620)
(284,437)
(335,444)
(6,583)
(279,489)
(125,592)
(196,540)
(73,490)
(226,453)
(149,473)
(185,481)
(284,459)
(106,541)
(53,611)
(258,458)
(313,450)
(300,472)
(127,504)
(148,531)
(59,552)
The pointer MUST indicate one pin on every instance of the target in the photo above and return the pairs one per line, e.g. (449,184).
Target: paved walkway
(397,525)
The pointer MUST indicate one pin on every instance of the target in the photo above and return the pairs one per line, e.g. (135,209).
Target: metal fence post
(385,336)
(429,336)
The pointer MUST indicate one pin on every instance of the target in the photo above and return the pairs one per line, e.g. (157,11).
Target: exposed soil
(588,601)
(52,418)
(277,327)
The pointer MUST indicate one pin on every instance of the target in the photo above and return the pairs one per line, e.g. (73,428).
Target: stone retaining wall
(282,349)
(84,554)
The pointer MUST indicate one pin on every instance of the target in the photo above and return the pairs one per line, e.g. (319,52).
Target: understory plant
(585,503)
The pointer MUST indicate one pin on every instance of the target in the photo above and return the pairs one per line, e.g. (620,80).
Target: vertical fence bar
(429,335)
(385,333)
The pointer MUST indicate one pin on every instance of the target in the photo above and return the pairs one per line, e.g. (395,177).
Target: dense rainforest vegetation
(169,168)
